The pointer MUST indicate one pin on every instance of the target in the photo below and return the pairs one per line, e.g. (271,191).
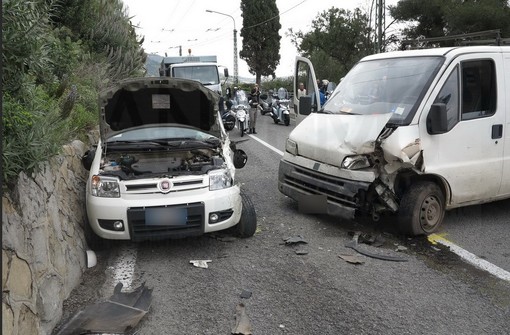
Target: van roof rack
(486,37)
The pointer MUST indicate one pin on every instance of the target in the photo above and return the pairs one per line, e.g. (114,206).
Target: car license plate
(165,216)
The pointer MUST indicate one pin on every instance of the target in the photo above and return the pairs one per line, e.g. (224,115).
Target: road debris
(245,294)
(243,325)
(353,244)
(353,259)
(400,248)
(201,263)
(301,252)
(293,240)
(117,315)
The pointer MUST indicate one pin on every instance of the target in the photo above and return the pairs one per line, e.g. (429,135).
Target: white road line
(471,258)
(267,145)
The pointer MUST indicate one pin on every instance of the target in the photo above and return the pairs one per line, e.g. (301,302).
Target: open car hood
(141,101)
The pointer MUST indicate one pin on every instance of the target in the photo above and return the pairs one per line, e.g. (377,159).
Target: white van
(412,133)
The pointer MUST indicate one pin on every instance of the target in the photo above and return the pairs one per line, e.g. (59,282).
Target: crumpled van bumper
(343,196)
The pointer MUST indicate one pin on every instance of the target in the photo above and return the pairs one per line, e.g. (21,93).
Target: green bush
(33,132)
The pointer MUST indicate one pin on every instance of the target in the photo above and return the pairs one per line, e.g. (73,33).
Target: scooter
(227,116)
(280,109)
(264,105)
(242,108)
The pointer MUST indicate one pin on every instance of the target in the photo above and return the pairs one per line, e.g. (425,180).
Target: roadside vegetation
(57,55)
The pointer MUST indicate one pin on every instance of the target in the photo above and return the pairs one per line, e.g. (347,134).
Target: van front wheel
(421,209)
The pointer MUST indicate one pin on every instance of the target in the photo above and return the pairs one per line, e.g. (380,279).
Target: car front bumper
(196,207)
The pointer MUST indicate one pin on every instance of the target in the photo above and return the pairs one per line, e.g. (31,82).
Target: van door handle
(497,131)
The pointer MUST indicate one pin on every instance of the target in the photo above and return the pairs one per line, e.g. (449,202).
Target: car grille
(139,231)
(144,187)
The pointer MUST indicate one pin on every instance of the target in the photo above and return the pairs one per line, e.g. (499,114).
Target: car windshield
(381,86)
(167,133)
(205,74)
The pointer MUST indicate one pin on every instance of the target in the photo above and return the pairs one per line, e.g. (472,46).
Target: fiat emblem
(165,185)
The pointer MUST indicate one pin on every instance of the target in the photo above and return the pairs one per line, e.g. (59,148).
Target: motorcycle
(242,108)
(227,116)
(280,109)
(264,105)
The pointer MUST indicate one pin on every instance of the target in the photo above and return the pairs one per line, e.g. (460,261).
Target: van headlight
(291,147)
(355,162)
(106,187)
(219,179)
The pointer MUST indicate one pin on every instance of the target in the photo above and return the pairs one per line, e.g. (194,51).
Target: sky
(168,24)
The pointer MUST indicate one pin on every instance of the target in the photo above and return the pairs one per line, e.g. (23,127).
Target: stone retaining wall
(43,243)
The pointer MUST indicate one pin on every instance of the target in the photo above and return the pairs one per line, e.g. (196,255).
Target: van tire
(248,223)
(422,209)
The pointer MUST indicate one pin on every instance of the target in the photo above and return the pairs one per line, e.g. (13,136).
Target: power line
(274,17)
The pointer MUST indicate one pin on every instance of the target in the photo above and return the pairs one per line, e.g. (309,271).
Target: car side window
(449,95)
(478,89)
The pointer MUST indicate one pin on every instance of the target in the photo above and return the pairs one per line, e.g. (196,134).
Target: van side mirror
(437,121)
(225,72)
(305,105)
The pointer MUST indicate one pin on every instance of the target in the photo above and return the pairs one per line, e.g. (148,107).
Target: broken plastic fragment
(117,315)
(246,294)
(243,326)
(201,263)
(301,252)
(353,259)
(294,240)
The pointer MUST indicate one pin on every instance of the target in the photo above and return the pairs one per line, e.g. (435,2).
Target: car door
(469,155)
(304,73)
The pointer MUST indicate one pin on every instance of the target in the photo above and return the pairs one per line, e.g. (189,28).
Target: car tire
(422,209)
(248,223)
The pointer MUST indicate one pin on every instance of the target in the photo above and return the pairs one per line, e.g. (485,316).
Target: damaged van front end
(361,151)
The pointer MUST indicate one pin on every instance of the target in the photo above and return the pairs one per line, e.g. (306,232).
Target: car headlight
(219,179)
(106,187)
(291,147)
(355,162)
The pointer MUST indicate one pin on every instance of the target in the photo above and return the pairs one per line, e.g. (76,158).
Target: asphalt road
(307,288)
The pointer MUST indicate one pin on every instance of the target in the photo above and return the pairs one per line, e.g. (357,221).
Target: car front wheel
(422,209)
(248,223)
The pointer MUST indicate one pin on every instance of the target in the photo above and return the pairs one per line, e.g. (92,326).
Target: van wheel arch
(404,180)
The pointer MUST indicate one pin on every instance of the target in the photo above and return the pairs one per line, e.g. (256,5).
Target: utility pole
(380,22)
(236,78)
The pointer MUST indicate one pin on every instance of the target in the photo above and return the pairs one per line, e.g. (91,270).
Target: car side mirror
(305,105)
(87,159)
(437,120)
(240,158)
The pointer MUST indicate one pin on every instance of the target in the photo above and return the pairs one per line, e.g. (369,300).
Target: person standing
(301,92)
(254,103)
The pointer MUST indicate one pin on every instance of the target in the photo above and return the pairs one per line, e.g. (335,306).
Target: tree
(261,40)
(437,18)
(338,39)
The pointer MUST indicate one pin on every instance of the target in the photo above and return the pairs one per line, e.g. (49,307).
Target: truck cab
(411,133)
(203,69)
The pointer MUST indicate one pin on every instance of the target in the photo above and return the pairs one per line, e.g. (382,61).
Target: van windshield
(394,85)
(205,74)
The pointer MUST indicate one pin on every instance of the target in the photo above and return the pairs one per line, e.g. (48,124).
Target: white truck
(413,133)
(203,69)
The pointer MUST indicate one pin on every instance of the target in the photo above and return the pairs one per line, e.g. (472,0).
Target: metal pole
(236,79)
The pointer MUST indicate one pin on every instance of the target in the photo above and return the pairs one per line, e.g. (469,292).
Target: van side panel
(505,184)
